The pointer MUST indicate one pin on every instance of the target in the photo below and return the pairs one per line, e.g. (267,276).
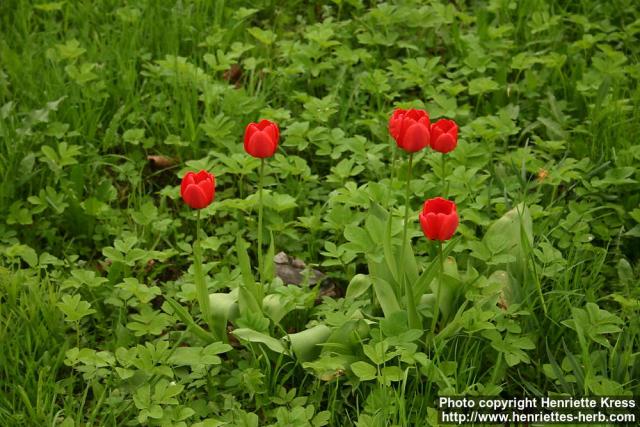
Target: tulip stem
(436,308)
(445,190)
(202,292)
(414,320)
(406,208)
(392,172)
(260,260)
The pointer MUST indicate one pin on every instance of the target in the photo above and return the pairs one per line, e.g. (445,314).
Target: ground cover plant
(314,213)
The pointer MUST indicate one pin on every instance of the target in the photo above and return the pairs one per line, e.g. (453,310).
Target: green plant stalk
(496,369)
(436,308)
(445,189)
(539,289)
(406,209)
(529,257)
(260,185)
(392,172)
(412,311)
(77,326)
(202,292)
(586,354)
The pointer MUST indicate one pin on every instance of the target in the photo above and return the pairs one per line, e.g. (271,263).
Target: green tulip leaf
(359,284)
(306,344)
(252,336)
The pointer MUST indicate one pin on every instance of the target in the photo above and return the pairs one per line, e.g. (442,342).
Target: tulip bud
(410,129)
(444,135)
(198,189)
(261,139)
(439,219)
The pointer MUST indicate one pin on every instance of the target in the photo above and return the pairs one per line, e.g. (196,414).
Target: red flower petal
(202,176)
(433,226)
(424,223)
(445,125)
(395,123)
(195,197)
(187,180)
(415,138)
(269,127)
(448,226)
(208,188)
(417,115)
(272,131)
(263,124)
(261,145)
(250,130)
(445,143)
(439,205)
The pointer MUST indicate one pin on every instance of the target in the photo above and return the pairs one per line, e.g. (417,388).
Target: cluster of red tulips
(260,140)
(412,131)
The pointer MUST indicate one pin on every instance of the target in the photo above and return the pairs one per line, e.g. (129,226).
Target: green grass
(544,92)
(34,342)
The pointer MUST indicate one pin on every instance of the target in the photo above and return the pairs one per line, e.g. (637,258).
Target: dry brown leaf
(161,162)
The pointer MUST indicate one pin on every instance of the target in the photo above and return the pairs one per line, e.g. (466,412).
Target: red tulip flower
(410,129)
(261,139)
(439,219)
(198,189)
(444,135)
